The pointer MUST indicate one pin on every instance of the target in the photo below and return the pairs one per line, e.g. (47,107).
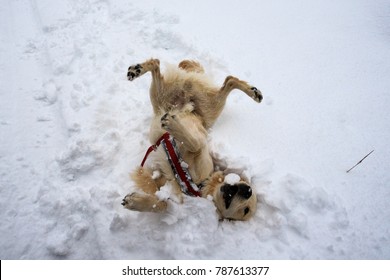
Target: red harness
(179,167)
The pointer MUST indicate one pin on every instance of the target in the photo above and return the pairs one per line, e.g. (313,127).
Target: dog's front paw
(127,201)
(257,96)
(143,203)
(168,121)
(134,72)
(133,201)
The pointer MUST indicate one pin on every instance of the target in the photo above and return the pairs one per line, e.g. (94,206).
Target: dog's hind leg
(153,66)
(234,83)
(137,70)
(216,100)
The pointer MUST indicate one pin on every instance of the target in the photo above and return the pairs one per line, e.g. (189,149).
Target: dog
(185,106)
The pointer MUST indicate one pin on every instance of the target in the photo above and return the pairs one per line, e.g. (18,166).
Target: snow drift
(72,127)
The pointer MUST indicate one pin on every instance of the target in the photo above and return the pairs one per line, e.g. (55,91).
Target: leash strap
(152,148)
(179,167)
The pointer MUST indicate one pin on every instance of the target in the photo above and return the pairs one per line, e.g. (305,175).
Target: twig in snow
(360,161)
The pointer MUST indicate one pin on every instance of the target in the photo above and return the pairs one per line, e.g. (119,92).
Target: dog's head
(234,200)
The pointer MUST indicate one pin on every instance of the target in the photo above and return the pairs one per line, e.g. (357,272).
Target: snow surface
(72,127)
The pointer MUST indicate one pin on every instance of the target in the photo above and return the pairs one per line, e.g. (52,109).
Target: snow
(232,178)
(72,127)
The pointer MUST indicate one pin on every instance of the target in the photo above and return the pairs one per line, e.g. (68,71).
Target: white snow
(72,127)
(232,178)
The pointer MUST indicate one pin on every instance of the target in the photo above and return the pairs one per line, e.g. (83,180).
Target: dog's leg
(187,129)
(137,70)
(216,100)
(144,203)
(143,179)
(191,66)
(147,200)
(153,66)
(234,83)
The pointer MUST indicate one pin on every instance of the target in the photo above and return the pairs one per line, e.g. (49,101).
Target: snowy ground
(72,127)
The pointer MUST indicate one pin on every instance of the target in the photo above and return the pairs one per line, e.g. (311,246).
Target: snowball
(184,164)
(156,174)
(168,191)
(232,178)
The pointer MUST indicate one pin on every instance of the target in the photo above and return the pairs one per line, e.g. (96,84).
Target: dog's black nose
(240,189)
(229,191)
(244,191)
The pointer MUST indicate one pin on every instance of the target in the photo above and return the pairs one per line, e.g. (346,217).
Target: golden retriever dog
(185,105)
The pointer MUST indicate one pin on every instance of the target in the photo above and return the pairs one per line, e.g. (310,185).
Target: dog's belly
(200,166)
(181,88)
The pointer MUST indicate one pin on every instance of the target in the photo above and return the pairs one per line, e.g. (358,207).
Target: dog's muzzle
(229,191)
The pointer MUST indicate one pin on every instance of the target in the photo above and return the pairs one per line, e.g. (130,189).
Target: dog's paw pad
(134,71)
(131,201)
(257,96)
(126,200)
(166,120)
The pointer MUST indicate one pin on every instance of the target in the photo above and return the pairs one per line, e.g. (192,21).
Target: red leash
(178,166)
(153,148)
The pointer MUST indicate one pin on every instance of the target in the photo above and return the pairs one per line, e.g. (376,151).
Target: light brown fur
(186,104)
